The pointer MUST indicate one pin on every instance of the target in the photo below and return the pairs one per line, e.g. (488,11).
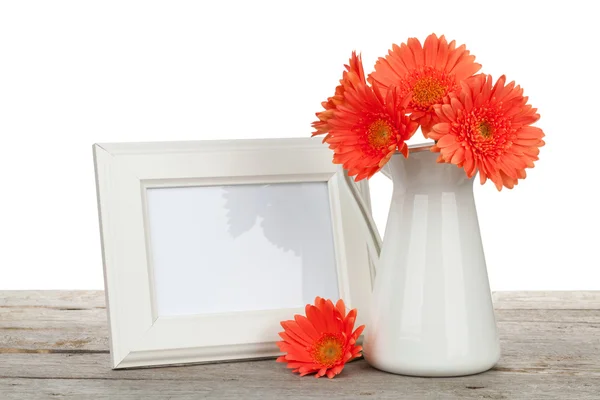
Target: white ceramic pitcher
(432,312)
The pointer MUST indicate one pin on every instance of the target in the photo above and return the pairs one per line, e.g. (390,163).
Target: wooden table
(54,345)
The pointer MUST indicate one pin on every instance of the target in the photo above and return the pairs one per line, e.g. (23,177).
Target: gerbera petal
(353,75)
(341,307)
(293,329)
(356,351)
(448,112)
(454,56)
(414,54)
(441,129)
(290,339)
(295,356)
(442,55)
(465,68)
(456,105)
(430,48)
(527,142)
(317,318)
(458,156)
(337,369)
(403,150)
(469,164)
(397,65)
(306,327)
(446,141)
(330,320)
(302,365)
(348,356)
(349,322)
(358,331)
(531,132)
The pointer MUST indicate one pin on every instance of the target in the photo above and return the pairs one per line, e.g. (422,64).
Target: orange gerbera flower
(354,73)
(366,130)
(323,341)
(428,73)
(487,128)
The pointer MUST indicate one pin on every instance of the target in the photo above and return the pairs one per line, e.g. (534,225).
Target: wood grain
(54,345)
(53,321)
(558,300)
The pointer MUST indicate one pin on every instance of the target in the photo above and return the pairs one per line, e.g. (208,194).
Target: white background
(77,72)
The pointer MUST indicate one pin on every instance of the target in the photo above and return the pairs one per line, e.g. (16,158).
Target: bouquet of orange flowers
(476,123)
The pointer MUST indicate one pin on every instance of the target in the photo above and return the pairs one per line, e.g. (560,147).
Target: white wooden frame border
(138,337)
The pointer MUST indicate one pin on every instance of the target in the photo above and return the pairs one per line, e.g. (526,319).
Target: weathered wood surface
(54,345)
(581,300)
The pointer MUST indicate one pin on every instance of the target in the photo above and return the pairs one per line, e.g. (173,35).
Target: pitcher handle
(373,238)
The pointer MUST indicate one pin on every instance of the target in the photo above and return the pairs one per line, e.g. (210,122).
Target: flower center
(328,350)
(485,129)
(428,90)
(379,133)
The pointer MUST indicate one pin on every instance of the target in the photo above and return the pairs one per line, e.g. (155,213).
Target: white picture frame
(125,172)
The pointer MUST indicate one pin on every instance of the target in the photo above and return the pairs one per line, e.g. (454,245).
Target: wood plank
(76,321)
(549,348)
(557,300)
(53,328)
(544,359)
(502,300)
(360,381)
(591,317)
(72,299)
(66,330)
(526,338)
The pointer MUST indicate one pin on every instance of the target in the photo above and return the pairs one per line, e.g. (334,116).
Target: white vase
(432,312)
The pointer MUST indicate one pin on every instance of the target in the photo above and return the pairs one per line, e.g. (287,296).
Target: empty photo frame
(207,246)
